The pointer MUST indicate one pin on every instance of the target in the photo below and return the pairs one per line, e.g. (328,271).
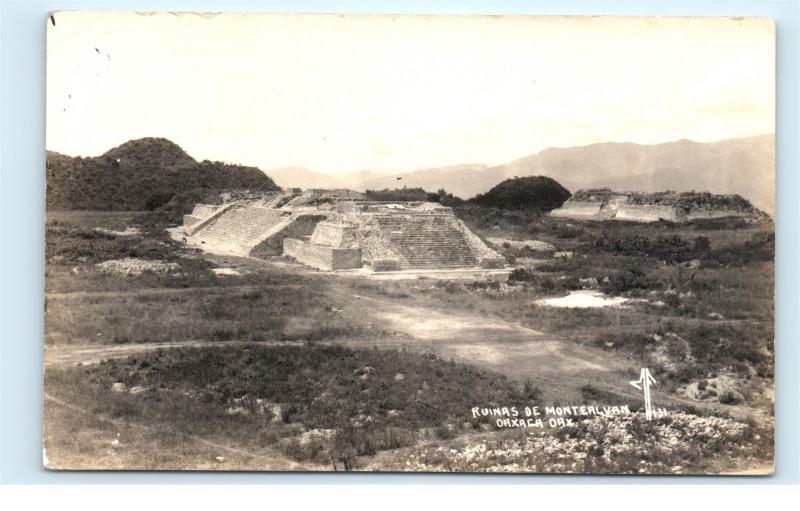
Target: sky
(340,94)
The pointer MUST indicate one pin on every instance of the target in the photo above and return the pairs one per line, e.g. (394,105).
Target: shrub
(631,279)
(730,398)
(671,249)
(314,450)
(531,391)
(521,275)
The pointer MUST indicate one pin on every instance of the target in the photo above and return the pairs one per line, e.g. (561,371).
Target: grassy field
(325,405)
(85,305)
(701,318)
(706,291)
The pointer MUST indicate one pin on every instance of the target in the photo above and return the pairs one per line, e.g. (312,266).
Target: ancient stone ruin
(340,230)
(605,204)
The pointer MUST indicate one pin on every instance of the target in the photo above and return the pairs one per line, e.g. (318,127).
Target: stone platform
(342,234)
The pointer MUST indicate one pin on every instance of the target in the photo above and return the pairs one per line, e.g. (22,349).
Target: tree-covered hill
(141,175)
(532,192)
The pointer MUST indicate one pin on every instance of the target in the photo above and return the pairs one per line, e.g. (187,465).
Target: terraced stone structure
(604,204)
(333,232)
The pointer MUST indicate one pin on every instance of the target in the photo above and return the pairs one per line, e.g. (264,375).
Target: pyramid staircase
(241,228)
(426,240)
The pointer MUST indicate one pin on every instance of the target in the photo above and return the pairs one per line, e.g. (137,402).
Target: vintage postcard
(380,243)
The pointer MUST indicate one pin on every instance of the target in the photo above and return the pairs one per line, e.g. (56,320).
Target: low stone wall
(636,212)
(714,213)
(577,209)
(300,225)
(648,213)
(320,256)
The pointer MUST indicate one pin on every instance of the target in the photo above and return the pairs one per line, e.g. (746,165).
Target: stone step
(427,241)
(239,229)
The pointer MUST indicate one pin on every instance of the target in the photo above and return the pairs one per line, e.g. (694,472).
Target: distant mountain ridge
(301,177)
(744,166)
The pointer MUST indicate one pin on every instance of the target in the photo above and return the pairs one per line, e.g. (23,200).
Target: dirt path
(558,367)
(69,355)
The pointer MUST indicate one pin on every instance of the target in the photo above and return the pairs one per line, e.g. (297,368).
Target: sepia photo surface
(385,243)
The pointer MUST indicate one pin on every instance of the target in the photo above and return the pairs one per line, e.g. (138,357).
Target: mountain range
(744,166)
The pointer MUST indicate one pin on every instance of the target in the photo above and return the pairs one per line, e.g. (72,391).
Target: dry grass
(255,313)
(355,393)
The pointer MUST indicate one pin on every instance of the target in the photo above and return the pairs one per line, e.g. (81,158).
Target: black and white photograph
(409,243)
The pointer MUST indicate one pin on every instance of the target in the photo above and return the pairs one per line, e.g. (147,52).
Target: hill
(453,177)
(429,179)
(533,192)
(743,166)
(141,174)
(150,152)
(301,177)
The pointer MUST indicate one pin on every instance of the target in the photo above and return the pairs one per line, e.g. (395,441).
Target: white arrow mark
(643,383)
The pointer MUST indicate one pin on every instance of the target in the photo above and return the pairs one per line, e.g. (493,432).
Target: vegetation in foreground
(316,403)
(679,443)
(345,409)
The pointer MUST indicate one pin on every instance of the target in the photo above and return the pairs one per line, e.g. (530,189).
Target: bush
(521,275)
(730,398)
(314,450)
(531,391)
(629,280)
(760,247)
(672,249)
